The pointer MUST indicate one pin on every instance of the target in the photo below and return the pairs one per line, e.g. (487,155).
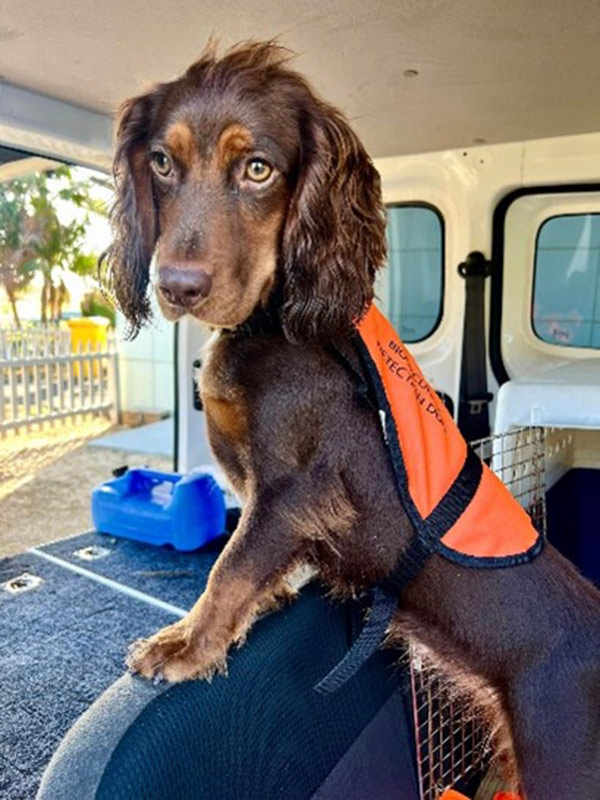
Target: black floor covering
(64,642)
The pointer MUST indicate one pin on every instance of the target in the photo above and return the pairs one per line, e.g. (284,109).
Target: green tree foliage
(34,239)
(17,243)
(95,304)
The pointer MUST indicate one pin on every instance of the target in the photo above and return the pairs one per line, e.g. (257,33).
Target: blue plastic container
(185,511)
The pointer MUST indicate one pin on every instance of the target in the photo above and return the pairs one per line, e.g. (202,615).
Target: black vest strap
(384,605)
(423,543)
(456,499)
(411,562)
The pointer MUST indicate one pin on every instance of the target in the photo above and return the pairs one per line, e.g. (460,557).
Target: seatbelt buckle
(477,404)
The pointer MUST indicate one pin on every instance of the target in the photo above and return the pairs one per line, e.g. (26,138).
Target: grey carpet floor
(64,642)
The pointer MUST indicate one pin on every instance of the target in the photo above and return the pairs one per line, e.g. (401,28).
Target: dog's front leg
(247,579)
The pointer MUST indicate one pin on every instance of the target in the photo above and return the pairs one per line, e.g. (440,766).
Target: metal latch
(22,583)
(476,404)
(92,552)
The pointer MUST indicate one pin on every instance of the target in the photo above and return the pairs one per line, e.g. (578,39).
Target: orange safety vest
(457,505)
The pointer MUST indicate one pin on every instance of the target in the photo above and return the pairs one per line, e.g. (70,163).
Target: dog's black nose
(184,286)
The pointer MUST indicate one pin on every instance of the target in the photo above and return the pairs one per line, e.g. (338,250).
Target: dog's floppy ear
(334,236)
(125,265)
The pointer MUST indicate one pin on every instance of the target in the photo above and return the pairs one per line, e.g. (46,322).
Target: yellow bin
(88,334)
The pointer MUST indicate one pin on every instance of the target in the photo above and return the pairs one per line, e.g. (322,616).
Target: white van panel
(466,186)
(523,352)
(48,126)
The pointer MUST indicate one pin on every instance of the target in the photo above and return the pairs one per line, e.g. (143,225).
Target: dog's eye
(161,163)
(258,170)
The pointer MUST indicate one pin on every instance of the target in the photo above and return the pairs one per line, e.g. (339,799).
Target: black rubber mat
(64,642)
(176,578)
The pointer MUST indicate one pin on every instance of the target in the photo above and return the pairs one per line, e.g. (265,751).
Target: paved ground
(156,438)
(23,453)
(46,479)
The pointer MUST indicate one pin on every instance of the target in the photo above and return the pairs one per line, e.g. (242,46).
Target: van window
(566,290)
(411,288)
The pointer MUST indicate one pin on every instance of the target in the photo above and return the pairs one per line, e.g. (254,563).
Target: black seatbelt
(473,416)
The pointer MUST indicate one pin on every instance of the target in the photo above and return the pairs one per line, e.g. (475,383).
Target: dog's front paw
(175,654)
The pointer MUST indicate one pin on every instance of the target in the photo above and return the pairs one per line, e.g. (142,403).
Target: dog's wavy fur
(337,193)
(290,265)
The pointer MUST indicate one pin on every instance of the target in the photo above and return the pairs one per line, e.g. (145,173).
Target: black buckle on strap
(477,404)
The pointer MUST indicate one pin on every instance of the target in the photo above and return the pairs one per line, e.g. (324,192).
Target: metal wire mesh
(518,458)
(451,744)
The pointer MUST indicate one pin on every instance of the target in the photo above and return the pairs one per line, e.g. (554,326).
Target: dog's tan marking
(180,140)
(228,416)
(235,140)
(264,242)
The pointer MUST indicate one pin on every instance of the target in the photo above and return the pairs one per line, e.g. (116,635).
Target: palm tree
(34,239)
(18,240)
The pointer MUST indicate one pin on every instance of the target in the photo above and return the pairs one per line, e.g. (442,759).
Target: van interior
(482,121)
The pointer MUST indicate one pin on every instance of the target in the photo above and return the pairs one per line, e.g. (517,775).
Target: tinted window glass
(410,289)
(566,293)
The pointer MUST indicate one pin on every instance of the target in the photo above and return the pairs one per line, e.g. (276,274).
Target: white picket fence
(42,379)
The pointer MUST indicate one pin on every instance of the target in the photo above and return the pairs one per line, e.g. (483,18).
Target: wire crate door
(453,748)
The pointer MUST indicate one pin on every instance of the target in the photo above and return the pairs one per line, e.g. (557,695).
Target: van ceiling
(486,70)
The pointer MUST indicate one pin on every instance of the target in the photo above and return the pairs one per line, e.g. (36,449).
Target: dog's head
(244,185)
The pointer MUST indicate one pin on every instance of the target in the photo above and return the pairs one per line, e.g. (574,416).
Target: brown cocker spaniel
(264,214)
